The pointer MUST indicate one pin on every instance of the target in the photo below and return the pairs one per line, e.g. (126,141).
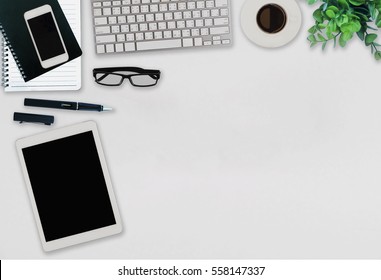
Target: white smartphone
(46,36)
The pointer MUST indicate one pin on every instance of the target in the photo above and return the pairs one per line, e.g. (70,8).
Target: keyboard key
(100,21)
(204,31)
(198,42)
(110,48)
(209,4)
(100,49)
(160,44)
(195,32)
(106,11)
(219,30)
(188,42)
(119,48)
(122,19)
(105,39)
(129,47)
(116,11)
(221,3)
(102,30)
(112,20)
(139,36)
(149,35)
(158,35)
(221,21)
(130,37)
(126,10)
(97,12)
(121,37)
(224,12)
(167,34)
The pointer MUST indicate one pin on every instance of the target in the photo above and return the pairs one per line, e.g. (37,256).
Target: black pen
(67,105)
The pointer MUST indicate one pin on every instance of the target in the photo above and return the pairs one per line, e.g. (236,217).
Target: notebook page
(65,77)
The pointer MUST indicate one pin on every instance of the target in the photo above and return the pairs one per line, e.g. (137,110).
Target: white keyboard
(139,25)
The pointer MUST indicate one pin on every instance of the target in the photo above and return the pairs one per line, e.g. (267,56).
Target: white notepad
(65,77)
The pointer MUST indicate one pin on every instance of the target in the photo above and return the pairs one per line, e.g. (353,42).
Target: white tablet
(69,186)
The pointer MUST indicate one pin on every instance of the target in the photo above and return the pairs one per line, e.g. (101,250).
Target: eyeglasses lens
(109,79)
(144,80)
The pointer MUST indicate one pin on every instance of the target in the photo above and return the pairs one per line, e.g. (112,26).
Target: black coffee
(271,18)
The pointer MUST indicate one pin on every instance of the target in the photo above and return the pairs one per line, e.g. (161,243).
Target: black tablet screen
(69,186)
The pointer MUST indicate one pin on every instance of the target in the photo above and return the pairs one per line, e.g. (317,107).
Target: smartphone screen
(46,36)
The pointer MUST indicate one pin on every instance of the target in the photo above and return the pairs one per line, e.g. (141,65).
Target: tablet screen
(69,186)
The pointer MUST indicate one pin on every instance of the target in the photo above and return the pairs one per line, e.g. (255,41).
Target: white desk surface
(240,152)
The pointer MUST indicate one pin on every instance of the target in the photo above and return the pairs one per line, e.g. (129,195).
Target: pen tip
(107,109)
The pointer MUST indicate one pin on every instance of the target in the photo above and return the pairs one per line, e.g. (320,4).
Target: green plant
(340,20)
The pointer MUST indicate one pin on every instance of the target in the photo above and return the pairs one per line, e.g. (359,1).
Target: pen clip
(69,106)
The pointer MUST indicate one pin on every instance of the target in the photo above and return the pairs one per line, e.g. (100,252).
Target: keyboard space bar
(160,44)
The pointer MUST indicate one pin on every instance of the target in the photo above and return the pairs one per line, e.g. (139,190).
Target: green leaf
(344,4)
(333,9)
(361,35)
(321,38)
(322,26)
(342,42)
(329,35)
(311,38)
(372,10)
(313,44)
(377,55)
(335,27)
(311,2)
(323,46)
(362,16)
(364,9)
(318,16)
(346,36)
(353,26)
(353,16)
(312,30)
(330,14)
(342,20)
(363,27)
(346,27)
(356,26)
(378,20)
(369,39)
(374,14)
(357,2)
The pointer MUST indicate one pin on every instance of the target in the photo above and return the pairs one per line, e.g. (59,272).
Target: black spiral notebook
(18,39)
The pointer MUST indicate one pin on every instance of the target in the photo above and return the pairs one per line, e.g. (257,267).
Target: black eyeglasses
(138,77)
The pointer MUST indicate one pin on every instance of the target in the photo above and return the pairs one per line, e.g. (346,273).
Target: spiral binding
(4,47)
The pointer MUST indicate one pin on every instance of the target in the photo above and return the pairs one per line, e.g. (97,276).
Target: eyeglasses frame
(154,74)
